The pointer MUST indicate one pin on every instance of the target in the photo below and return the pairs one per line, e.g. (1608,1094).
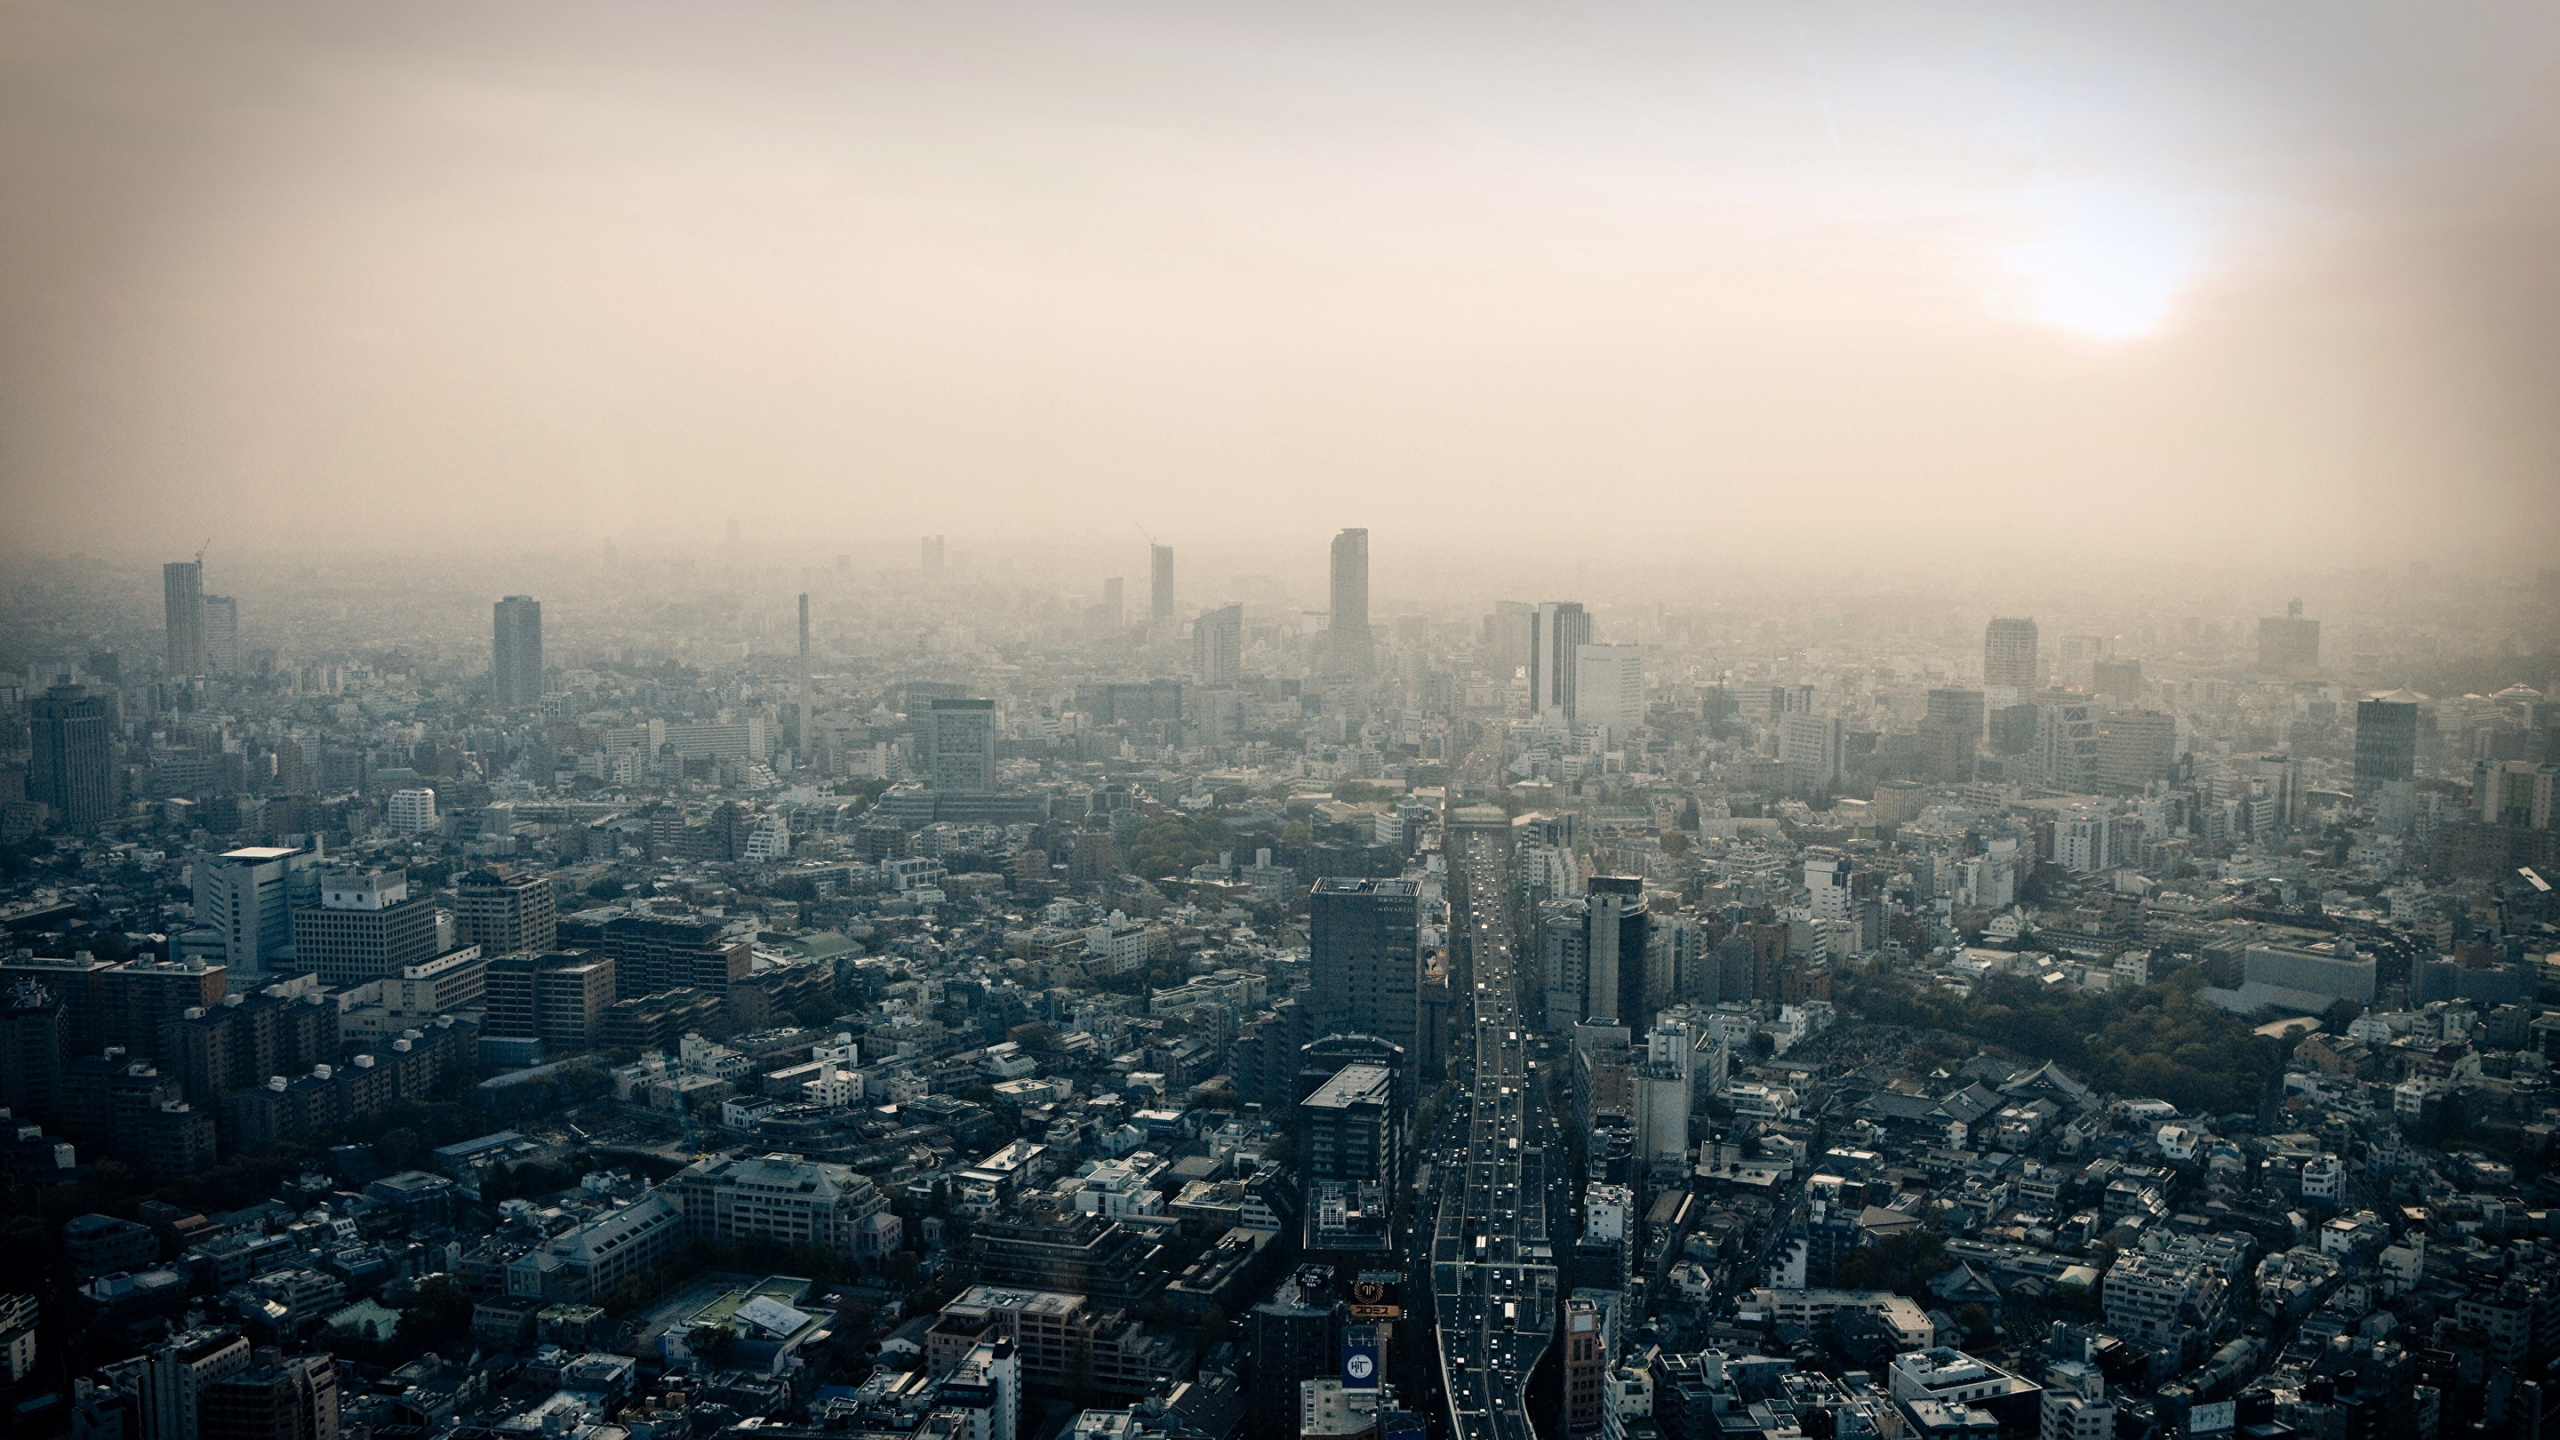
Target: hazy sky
(1787,277)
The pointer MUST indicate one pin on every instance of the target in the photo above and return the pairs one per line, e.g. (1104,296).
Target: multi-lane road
(1493,1277)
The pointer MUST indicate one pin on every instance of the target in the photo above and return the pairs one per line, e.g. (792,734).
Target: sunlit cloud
(2108,261)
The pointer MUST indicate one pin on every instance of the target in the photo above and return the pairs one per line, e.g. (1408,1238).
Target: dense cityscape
(728,993)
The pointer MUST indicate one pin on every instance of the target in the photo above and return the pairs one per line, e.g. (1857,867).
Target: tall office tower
(221,635)
(1352,651)
(1949,734)
(933,554)
(1364,941)
(35,1039)
(277,1399)
(2288,641)
(1160,588)
(2386,739)
(503,910)
(366,926)
(72,766)
(410,812)
(1814,750)
(248,896)
(2009,655)
(1217,647)
(796,730)
(1616,944)
(2066,743)
(515,660)
(1350,1128)
(1609,686)
(2136,747)
(1506,634)
(1557,634)
(182,587)
(960,746)
(175,1375)
(1114,610)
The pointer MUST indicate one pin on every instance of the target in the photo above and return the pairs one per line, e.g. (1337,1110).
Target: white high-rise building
(247,895)
(410,812)
(986,1388)
(221,635)
(1609,687)
(1810,746)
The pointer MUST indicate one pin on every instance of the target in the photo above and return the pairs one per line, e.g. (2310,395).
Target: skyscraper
(1557,634)
(1364,940)
(221,635)
(72,767)
(2386,739)
(515,660)
(182,586)
(1609,686)
(796,729)
(1217,647)
(933,551)
(1160,588)
(960,746)
(1114,609)
(1352,648)
(2009,655)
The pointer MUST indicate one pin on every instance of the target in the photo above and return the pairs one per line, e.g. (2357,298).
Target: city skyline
(2131,262)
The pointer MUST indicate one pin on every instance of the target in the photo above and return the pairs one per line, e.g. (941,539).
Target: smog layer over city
(1798,721)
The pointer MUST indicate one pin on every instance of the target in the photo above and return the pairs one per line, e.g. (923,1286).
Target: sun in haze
(2107,262)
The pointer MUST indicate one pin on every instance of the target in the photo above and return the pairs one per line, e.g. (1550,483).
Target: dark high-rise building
(2288,641)
(559,998)
(960,746)
(1291,1337)
(1364,958)
(35,1038)
(515,656)
(216,1049)
(1557,634)
(1949,734)
(1351,1128)
(502,910)
(275,1399)
(652,953)
(2009,655)
(366,926)
(182,590)
(1160,587)
(1351,653)
(73,764)
(2386,739)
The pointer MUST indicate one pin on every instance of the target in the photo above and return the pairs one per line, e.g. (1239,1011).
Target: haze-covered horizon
(1817,284)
